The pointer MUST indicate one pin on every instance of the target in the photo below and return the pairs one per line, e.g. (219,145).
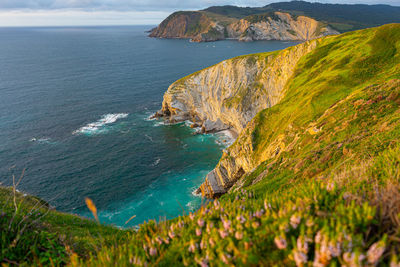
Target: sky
(118,12)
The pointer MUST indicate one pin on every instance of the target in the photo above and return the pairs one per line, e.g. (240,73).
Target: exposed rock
(200,27)
(229,95)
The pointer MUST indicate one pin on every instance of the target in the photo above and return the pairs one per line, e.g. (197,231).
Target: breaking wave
(99,126)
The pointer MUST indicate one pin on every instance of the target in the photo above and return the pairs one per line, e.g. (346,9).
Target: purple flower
(153,251)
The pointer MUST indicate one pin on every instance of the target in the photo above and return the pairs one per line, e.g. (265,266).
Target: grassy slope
(34,233)
(331,197)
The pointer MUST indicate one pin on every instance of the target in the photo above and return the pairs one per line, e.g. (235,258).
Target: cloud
(117,12)
(145,5)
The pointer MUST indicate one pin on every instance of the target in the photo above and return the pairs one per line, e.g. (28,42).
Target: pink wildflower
(171,234)
(241,219)
(223,233)
(198,231)
(375,252)
(295,221)
(152,251)
(239,235)
(280,242)
(300,258)
(200,222)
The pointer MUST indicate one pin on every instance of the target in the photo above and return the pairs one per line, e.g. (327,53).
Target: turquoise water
(74,108)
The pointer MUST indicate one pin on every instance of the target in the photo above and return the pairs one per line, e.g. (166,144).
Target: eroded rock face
(199,27)
(227,96)
(283,27)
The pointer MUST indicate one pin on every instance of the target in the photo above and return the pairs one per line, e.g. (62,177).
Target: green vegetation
(340,17)
(33,233)
(325,192)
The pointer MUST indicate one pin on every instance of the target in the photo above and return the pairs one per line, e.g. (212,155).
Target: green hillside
(340,16)
(326,191)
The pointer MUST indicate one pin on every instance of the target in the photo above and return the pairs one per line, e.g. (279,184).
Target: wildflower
(223,233)
(284,227)
(203,244)
(192,247)
(258,214)
(216,204)
(353,259)
(310,223)
(334,249)
(375,252)
(198,231)
(394,262)
(255,224)
(239,235)
(300,258)
(295,221)
(136,261)
(203,262)
(210,225)
(152,251)
(171,234)
(280,242)
(226,224)
(267,205)
(330,186)
(200,222)
(180,224)
(159,240)
(166,240)
(225,258)
(318,237)
(191,216)
(302,245)
(211,241)
(241,219)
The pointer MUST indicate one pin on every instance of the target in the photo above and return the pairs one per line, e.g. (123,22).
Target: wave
(43,140)
(98,126)
(156,162)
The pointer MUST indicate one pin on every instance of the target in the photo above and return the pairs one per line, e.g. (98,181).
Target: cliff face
(201,26)
(189,24)
(280,26)
(231,93)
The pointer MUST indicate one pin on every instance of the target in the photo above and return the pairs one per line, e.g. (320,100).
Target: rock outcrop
(227,96)
(281,26)
(201,27)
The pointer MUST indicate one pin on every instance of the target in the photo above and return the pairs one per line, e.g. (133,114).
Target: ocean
(75,104)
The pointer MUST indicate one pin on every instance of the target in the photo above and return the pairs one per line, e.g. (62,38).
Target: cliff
(318,174)
(231,93)
(202,26)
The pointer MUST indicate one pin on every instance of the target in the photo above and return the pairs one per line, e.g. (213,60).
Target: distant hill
(296,20)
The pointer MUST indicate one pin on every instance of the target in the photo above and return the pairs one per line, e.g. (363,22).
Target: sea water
(75,104)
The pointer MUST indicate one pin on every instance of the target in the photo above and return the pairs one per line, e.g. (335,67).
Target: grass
(324,191)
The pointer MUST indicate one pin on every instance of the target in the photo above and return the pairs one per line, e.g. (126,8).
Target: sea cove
(74,109)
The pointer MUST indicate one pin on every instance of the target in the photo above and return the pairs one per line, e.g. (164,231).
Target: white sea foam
(156,162)
(226,138)
(98,126)
(43,140)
